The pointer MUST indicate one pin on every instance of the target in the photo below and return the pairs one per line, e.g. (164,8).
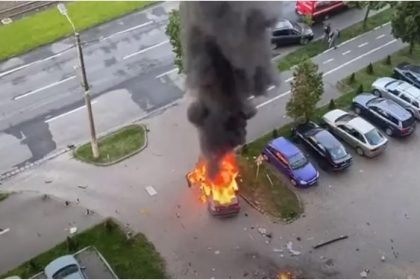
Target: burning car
(220,190)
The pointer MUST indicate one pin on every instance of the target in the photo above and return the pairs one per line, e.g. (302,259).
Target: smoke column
(227,55)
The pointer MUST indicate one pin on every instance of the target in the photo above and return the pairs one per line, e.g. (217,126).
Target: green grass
(316,47)
(276,200)
(136,258)
(3,196)
(48,26)
(114,147)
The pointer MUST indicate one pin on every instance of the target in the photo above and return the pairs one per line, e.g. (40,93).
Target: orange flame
(223,187)
(285,275)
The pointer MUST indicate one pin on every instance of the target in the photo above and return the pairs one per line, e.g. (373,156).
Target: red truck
(318,9)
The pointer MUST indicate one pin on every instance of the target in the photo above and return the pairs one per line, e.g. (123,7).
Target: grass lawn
(316,47)
(3,196)
(136,258)
(114,147)
(49,25)
(273,197)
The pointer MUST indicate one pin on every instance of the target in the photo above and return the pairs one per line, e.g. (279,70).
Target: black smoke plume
(227,54)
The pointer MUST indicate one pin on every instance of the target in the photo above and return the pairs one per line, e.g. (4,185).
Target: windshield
(374,137)
(337,152)
(296,26)
(298,161)
(67,270)
(374,101)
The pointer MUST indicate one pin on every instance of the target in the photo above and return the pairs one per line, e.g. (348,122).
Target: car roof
(405,88)
(393,108)
(360,125)
(285,146)
(409,67)
(334,114)
(284,24)
(59,263)
(326,139)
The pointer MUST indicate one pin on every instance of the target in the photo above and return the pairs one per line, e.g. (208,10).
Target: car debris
(342,237)
(3,231)
(73,230)
(290,248)
(383,258)
(217,252)
(363,274)
(82,187)
(151,190)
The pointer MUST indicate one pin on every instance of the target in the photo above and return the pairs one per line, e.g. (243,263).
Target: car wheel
(377,93)
(293,181)
(357,110)
(388,131)
(360,151)
(304,41)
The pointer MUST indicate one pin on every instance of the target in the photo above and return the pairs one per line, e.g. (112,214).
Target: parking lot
(375,203)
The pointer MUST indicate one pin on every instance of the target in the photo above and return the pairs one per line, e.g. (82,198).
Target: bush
(331,105)
(352,78)
(369,69)
(388,60)
(109,225)
(359,89)
(275,134)
(33,265)
(71,244)
(244,149)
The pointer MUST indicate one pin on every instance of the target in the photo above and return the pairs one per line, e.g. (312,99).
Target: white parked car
(401,92)
(357,132)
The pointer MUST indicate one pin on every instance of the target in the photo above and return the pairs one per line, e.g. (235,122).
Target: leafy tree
(173,30)
(368,5)
(307,88)
(406,22)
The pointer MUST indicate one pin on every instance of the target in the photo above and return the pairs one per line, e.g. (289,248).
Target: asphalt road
(374,202)
(129,64)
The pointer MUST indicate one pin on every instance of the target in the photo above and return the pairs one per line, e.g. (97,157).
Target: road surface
(129,62)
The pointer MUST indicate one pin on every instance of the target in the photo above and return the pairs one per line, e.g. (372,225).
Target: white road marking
(146,49)
(4,231)
(289,80)
(69,112)
(328,61)
(329,72)
(128,30)
(346,52)
(270,87)
(380,36)
(43,88)
(362,45)
(166,73)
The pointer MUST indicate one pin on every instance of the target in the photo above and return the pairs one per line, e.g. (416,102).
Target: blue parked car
(288,159)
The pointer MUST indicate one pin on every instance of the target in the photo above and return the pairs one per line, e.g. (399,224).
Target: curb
(105,164)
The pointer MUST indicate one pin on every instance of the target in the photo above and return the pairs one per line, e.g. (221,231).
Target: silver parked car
(65,267)
(358,133)
(401,92)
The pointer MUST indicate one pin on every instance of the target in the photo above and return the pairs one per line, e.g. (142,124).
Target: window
(67,270)
(298,161)
(358,136)
(394,92)
(393,120)
(405,98)
(281,33)
(344,128)
(410,76)
(374,137)
(415,104)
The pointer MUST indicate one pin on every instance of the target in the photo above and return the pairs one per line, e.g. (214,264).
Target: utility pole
(93,141)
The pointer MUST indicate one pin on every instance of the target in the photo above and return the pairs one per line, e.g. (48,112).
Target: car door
(344,133)
(295,36)
(281,161)
(405,100)
(379,117)
(393,95)
(280,37)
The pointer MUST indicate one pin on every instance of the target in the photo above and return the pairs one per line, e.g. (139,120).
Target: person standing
(333,38)
(327,30)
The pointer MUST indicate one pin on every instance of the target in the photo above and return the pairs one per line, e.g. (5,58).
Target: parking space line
(43,88)
(69,112)
(273,99)
(146,49)
(346,52)
(380,36)
(289,80)
(362,45)
(128,30)
(166,73)
(328,61)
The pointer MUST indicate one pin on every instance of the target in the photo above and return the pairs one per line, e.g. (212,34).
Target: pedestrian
(333,38)
(327,31)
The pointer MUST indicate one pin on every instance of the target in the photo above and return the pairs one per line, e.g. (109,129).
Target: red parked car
(318,9)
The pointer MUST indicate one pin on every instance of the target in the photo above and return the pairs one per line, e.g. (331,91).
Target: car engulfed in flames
(218,191)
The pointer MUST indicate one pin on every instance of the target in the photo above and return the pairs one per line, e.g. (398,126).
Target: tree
(406,23)
(368,5)
(173,30)
(307,88)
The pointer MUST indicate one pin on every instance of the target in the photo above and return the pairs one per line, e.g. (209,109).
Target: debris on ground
(73,230)
(151,190)
(82,187)
(48,181)
(45,197)
(363,274)
(276,250)
(217,252)
(246,214)
(298,238)
(263,231)
(3,231)
(342,237)
(178,215)
(383,258)
(67,203)
(290,248)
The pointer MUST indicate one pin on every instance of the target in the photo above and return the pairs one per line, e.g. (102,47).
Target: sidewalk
(194,244)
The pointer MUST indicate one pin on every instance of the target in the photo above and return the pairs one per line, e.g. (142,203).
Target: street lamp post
(94,143)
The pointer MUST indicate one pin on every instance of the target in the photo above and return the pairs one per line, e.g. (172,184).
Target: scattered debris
(269,179)
(48,181)
(6,21)
(245,229)
(82,187)
(342,237)
(73,230)
(357,249)
(383,258)
(322,257)
(263,231)
(276,250)
(217,252)
(267,242)
(269,235)
(367,223)
(45,197)
(67,203)
(89,212)
(151,190)
(363,274)
(246,214)
(213,269)
(178,215)
(71,146)
(298,238)
(281,255)
(246,274)
(3,231)
(77,200)
(290,248)
(392,241)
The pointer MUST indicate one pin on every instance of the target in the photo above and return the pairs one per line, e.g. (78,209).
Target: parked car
(385,113)
(408,73)
(223,210)
(329,152)
(289,159)
(401,92)
(287,32)
(358,133)
(65,267)
(318,9)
